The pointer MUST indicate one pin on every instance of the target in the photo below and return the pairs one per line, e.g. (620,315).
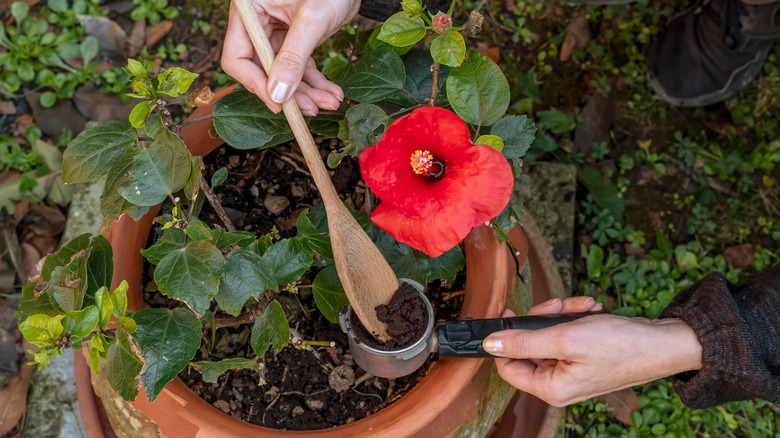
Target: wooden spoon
(366,276)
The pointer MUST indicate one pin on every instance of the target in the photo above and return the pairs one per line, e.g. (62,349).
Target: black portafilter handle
(464,338)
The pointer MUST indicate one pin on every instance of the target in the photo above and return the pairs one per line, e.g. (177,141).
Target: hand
(295,29)
(593,355)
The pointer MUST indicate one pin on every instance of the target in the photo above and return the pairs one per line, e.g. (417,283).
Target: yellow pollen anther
(421,161)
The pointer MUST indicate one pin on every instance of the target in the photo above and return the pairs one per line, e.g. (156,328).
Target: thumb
(287,70)
(523,344)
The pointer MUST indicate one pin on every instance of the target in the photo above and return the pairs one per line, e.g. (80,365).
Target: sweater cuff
(709,309)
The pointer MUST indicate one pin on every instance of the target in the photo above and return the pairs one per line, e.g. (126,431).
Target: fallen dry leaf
(620,404)
(44,220)
(157,32)
(137,38)
(13,399)
(577,37)
(740,256)
(30,259)
(7,108)
(102,107)
(598,118)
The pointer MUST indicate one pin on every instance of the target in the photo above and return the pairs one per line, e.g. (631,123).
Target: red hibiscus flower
(434,183)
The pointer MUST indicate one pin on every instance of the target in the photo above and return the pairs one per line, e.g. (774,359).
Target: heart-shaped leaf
(89,155)
(160,170)
(329,293)
(449,48)
(287,260)
(246,275)
(212,370)
(245,122)
(270,328)
(376,75)
(172,239)
(403,29)
(123,366)
(112,204)
(80,323)
(169,340)
(191,274)
(478,90)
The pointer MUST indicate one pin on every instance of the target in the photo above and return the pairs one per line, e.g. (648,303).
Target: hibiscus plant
(425,117)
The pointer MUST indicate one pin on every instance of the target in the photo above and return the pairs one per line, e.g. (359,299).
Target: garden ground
(666,195)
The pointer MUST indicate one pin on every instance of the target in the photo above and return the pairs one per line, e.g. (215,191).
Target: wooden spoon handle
(367,278)
(294,117)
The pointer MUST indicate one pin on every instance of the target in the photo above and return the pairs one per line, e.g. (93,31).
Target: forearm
(737,327)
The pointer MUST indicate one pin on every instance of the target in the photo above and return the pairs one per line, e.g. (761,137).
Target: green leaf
(154,123)
(119,298)
(518,133)
(100,266)
(365,124)
(246,275)
(219,177)
(191,274)
(172,239)
(68,282)
(211,371)
(104,305)
(447,265)
(606,195)
(403,29)
(123,366)
(449,48)
(136,68)
(112,204)
(63,255)
(329,293)
(192,186)
(478,90)
(261,244)
(316,240)
(198,230)
(175,81)
(223,239)
(493,141)
(160,170)
(89,49)
(43,331)
(245,122)
(32,303)
(90,155)
(58,5)
(19,10)
(594,261)
(48,99)
(80,323)
(412,6)
(376,75)
(415,265)
(270,328)
(557,121)
(288,260)
(169,340)
(140,112)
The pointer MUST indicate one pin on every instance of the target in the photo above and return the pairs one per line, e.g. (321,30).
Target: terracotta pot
(456,398)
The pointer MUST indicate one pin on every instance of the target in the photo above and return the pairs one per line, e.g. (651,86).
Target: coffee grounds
(405,317)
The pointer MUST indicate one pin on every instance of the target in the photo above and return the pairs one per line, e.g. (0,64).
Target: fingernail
(551,302)
(508,313)
(309,113)
(281,92)
(597,308)
(493,344)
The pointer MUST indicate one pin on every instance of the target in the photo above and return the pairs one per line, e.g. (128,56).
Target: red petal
(434,235)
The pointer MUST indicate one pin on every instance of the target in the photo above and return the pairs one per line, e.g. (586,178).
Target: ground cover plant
(414,154)
(666,195)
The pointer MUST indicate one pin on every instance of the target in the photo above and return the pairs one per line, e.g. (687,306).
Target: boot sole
(749,72)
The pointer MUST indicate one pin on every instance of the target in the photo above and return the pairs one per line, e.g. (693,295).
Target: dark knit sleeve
(382,9)
(739,330)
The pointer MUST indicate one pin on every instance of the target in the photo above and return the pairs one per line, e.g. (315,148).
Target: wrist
(681,345)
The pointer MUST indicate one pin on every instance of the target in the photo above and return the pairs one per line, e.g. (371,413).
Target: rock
(341,378)
(297,411)
(222,405)
(271,394)
(314,404)
(276,204)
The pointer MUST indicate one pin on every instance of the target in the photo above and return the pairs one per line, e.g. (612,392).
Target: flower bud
(441,22)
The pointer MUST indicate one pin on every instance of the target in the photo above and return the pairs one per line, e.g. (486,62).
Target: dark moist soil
(405,317)
(298,389)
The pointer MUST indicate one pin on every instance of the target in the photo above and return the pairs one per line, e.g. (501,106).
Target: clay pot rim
(441,377)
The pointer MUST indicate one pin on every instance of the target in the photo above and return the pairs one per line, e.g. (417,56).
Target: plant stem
(503,235)
(196,120)
(435,87)
(212,198)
